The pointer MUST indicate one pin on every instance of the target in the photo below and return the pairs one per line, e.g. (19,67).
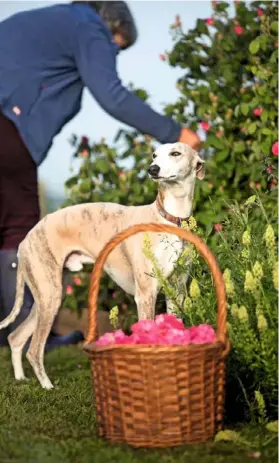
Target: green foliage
(247,254)
(228,89)
(225,77)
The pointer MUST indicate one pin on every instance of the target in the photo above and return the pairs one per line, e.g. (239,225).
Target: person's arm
(96,62)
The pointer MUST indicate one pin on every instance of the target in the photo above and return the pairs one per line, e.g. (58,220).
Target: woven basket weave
(158,396)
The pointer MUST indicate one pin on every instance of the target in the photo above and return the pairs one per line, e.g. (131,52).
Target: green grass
(58,426)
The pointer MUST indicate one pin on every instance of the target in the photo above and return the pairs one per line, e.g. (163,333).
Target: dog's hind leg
(47,305)
(17,340)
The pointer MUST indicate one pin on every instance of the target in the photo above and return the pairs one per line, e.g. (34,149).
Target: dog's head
(176,162)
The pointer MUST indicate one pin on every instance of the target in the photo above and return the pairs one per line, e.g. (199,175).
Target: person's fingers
(190,138)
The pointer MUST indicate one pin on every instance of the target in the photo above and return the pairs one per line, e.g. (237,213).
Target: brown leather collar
(170,218)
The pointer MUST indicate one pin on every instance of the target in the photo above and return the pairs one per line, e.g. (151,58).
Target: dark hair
(118,18)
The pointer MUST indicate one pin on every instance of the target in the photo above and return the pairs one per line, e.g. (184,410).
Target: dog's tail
(18,299)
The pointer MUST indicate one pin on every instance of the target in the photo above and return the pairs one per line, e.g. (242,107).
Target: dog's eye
(175,153)
(154,156)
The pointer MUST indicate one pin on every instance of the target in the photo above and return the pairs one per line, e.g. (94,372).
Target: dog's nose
(154,170)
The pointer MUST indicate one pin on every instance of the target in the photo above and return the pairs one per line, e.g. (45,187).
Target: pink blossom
(260,12)
(177,21)
(202,334)
(211,185)
(144,326)
(258,111)
(205,126)
(77,281)
(84,153)
(274,148)
(165,330)
(105,340)
(69,290)
(258,185)
(219,133)
(238,30)
(269,169)
(209,21)
(218,227)
(163,57)
(114,295)
(169,321)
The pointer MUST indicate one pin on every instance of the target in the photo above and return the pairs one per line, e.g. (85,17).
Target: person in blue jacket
(47,57)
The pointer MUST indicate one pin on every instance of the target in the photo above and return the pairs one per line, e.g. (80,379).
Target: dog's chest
(167,251)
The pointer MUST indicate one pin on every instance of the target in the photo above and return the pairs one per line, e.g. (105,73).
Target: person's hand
(190,138)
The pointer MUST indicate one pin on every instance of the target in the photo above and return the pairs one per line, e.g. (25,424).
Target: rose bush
(228,89)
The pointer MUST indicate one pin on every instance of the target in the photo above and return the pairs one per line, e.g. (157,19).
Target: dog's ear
(200,168)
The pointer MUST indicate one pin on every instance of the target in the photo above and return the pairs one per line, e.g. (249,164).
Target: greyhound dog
(75,235)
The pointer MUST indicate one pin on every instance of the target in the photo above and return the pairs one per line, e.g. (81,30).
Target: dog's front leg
(145,298)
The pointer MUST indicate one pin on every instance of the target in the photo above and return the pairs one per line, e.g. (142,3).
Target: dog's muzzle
(154,170)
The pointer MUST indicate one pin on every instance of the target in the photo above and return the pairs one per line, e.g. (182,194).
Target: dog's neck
(176,200)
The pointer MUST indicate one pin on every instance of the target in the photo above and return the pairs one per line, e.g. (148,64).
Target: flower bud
(250,284)
(194,289)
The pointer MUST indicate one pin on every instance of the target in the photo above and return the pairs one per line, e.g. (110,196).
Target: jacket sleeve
(96,62)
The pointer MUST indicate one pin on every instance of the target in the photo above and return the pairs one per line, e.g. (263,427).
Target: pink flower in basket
(202,334)
(165,330)
(166,321)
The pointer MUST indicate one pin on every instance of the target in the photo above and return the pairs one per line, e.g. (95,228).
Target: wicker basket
(158,396)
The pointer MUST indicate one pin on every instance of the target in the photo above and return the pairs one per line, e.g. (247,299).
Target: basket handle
(202,248)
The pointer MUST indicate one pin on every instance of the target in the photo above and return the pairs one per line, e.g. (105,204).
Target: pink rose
(177,21)
(218,227)
(205,126)
(144,326)
(105,340)
(209,21)
(77,281)
(274,148)
(169,321)
(260,12)
(238,30)
(69,290)
(258,111)
(202,334)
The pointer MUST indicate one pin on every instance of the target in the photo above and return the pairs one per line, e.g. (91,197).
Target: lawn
(58,426)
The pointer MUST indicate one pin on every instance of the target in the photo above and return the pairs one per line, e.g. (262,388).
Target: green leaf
(85,186)
(274,26)
(72,181)
(244,108)
(267,131)
(252,128)
(239,147)
(254,46)
(222,155)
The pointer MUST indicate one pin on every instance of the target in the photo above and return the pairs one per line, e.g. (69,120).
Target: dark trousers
(19,212)
(19,201)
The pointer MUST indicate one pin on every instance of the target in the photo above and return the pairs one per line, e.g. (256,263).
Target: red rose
(205,126)
(258,111)
(218,227)
(260,12)
(238,30)
(84,140)
(274,148)
(209,21)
